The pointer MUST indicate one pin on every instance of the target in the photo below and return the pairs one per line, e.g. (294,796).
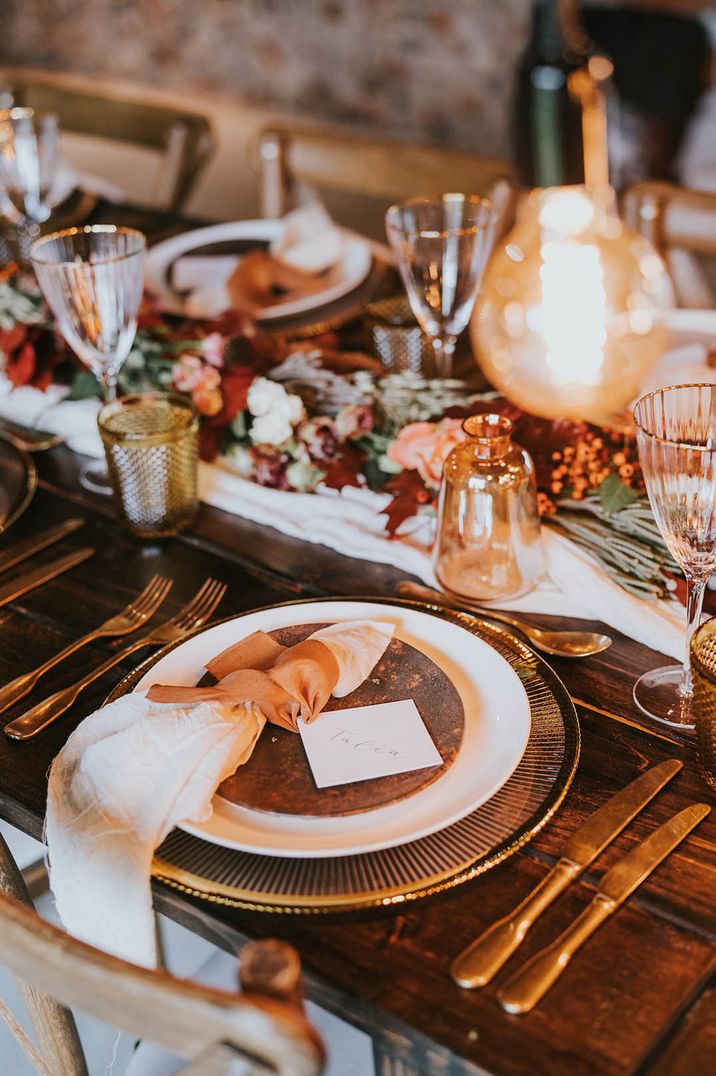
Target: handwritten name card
(367,741)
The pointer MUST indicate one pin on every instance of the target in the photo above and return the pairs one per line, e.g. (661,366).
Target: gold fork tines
(191,616)
(139,610)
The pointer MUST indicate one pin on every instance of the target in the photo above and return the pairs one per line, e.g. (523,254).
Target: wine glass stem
(694,601)
(444,347)
(109,384)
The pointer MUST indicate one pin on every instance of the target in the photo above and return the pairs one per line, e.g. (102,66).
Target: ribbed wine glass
(28,158)
(441,246)
(92,278)
(676,434)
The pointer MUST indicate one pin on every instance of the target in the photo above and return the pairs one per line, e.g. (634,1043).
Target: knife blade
(27,548)
(531,982)
(477,964)
(35,578)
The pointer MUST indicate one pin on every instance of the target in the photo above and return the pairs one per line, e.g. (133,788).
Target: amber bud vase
(488,534)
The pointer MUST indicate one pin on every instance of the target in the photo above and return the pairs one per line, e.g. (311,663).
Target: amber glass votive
(703,671)
(151,442)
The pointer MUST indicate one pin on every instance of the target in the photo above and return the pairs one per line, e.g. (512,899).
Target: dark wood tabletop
(639,997)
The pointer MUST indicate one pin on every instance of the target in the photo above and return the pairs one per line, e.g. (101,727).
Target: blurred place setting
(358,538)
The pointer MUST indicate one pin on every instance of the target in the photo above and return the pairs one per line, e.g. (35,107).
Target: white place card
(367,741)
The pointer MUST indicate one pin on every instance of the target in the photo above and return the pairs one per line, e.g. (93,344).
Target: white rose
(293,408)
(271,429)
(264,395)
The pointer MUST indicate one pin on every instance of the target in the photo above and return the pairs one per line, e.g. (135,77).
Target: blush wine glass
(441,245)
(676,435)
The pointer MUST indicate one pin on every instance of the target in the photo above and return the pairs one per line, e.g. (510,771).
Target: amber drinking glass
(151,444)
(703,707)
(676,434)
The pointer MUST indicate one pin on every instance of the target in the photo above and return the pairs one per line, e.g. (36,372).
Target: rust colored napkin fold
(284,682)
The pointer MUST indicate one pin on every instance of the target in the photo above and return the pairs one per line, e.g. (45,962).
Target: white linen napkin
(135,769)
(75,421)
(311,241)
(127,775)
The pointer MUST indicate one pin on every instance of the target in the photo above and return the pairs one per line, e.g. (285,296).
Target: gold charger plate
(419,868)
(18,482)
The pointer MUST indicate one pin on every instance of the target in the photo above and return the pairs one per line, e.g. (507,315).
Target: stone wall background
(429,71)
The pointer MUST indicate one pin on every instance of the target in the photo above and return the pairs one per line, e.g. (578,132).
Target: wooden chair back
(354,164)
(259,1031)
(183,138)
(680,223)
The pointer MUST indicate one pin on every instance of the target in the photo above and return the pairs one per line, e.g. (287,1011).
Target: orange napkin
(284,682)
(261,280)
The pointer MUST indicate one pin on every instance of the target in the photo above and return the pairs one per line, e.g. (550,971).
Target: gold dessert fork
(131,617)
(193,615)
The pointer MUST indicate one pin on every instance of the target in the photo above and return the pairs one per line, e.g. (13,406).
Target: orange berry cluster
(580,468)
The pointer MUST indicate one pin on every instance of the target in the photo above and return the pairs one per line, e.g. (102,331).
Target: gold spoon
(563,644)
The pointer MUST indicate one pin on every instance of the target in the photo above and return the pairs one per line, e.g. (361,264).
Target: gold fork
(139,610)
(192,616)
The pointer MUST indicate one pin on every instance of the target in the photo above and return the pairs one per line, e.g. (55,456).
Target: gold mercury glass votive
(396,338)
(151,443)
(703,671)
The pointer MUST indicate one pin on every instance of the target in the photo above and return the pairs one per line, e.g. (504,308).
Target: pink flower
(187,373)
(353,421)
(212,348)
(424,446)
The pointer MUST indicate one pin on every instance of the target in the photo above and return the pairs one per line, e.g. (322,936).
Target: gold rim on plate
(30,483)
(419,868)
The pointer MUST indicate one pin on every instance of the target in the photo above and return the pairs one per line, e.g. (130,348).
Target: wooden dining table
(640,996)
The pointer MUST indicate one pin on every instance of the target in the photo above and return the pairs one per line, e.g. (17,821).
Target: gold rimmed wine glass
(92,278)
(441,245)
(676,435)
(28,160)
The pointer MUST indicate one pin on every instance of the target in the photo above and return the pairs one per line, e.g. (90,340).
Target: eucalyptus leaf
(615,494)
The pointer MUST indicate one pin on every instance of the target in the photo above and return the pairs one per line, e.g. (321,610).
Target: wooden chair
(184,139)
(259,1031)
(356,165)
(681,224)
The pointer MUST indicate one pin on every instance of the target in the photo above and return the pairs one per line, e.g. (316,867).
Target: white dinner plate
(497,725)
(353,267)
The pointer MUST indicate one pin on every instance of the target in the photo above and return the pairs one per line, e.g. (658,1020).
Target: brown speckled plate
(278,777)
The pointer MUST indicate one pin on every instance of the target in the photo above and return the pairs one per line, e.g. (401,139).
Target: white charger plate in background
(353,266)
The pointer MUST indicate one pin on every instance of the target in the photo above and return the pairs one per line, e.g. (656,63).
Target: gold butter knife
(29,580)
(19,551)
(477,964)
(532,981)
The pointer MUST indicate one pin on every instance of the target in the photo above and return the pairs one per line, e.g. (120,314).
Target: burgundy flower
(320,438)
(270,466)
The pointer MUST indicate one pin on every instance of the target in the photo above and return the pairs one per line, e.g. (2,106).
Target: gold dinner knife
(476,965)
(29,580)
(531,982)
(27,548)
